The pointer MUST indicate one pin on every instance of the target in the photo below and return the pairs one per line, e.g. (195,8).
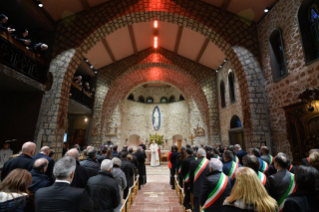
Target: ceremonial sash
(271,159)
(201,167)
(218,190)
(308,160)
(218,157)
(290,167)
(179,169)
(264,168)
(236,159)
(195,158)
(186,179)
(233,169)
(290,190)
(262,177)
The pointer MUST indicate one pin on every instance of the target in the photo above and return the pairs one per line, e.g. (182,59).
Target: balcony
(15,55)
(81,96)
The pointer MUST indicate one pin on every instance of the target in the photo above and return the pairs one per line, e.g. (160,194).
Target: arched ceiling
(249,9)
(188,43)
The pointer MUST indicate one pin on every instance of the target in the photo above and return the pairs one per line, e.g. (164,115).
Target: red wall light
(155,42)
(155,24)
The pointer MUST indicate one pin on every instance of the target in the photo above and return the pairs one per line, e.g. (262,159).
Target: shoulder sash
(264,168)
(290,167)
(233,169)
(262,178)
(308,159)
(200,168)
(271,159)
(179,169)
(236,159)
(186,179)
(290,190)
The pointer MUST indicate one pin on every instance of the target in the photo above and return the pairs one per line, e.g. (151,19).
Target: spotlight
(86,119)
(220,66)
(225,60)
(216,71)
(266,10)
(95,72)
(87,60)
(40,4)
(91,66)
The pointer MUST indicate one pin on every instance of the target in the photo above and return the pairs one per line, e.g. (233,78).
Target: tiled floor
(156,195)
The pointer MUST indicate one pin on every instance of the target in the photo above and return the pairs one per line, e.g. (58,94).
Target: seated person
(39,48)
(4,20)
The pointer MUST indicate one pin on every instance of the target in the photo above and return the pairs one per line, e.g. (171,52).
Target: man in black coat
(104,189)
(281,184)
(60,196)
(23,161)
(173,159)
(134,158)
(44,153)
(265,156)
(185,174)
(306,161)
(272,170)
(197,172)
(129,171)
(39,48)
(90,163)
(141,156)
(142,145)
(216,179)
(240,153)
(81,175)
(39,178)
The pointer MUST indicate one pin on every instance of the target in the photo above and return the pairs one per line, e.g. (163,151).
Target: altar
(162,156)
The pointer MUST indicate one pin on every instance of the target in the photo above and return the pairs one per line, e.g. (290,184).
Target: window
(235,122)
(231,83)
(172,99)
(181,98)
(141,99)
(164,100)
(277,55)
(309,30)
(130,97)
(149,100)
(222,94)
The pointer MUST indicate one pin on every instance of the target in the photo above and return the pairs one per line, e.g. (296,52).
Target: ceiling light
(155,24)
(86,119)
(220,66)
(91,66)
(216,71)
(95,72)
(225,60)
(155,42)
(87,60)
(40,4)
(266,10)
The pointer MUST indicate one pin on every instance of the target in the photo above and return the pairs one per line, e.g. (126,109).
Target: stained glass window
(313,20)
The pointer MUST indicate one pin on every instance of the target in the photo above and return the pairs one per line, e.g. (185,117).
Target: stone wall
(231,109)
(284,92)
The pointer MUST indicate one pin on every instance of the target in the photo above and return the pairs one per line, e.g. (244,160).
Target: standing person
(39,178)
(230,167)
(282,183)
(141,156)
(5,153)
(216,187)
(142,145)
(44,153)
(263,165)
(23,161)
(14,193)
(100,158)
(197,173)
(109,142)
(120,178)
(90,163)
(314,162)
(129,171)
(115,153)
(248,194)
(173,158)
(265,156)
(104,189)
(154,155)
(306,161)
(134,159)
(181,156)
(305,198)
(240,153)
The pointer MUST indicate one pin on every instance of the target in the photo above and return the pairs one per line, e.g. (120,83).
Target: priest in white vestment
(154,154)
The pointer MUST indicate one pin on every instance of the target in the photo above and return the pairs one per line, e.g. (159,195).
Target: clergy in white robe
(154,154)
(5,154)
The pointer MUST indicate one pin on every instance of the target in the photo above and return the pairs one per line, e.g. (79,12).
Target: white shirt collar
(62,181)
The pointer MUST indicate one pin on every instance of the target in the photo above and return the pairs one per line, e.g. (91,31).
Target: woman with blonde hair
(248,194)
(83,155)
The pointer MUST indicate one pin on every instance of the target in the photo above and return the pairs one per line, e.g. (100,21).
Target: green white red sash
(201,167)
(290,190)
(308,159)
(271,159)
(233,169)
(290,167)
(236,159)
(218,190)
(186,179)
(218,157)
(264,168)
(262,177)
(179,169)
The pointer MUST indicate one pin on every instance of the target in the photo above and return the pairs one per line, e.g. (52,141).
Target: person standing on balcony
(23,38)
(3,20)
(39,48)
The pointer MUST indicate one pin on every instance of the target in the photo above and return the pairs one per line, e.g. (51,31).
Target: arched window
(277,55)
(141,99)
(130,97)
(308,18)
(222,94)
(172,99)
(235,122)
(164,100)
(181,98)
(149,100)
(231,87)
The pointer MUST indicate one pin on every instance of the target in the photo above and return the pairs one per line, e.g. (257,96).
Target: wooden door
(179,144)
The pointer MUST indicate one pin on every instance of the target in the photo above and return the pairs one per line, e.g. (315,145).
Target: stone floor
(156,195)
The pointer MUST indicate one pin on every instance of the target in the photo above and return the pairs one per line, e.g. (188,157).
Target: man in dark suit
(240,153)
(141,156)
(263,166)
(197,173)
(265,156)
(185,174)
(230,167)
(61,196)
(290,167)
(23,161)
(90,163)
(281,184)
(44,153)
(134,158)
(39,178)
(306,161)
(115,154)
(216,184)
(129,172)
(173,159)
(81,175)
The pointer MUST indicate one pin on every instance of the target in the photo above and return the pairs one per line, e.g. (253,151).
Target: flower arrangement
(159,139)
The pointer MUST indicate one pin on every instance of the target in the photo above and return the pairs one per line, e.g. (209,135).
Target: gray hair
(237,146)
(74,152)
(106,165)
(201,152)
(44,45)
(45,148)
(91,152)
(216,164)
(281,154)
(117,162)
(40,164)
(64,167)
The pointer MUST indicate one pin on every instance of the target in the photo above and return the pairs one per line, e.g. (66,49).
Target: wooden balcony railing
(15,55)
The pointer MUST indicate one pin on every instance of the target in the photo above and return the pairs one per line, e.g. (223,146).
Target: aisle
(156,195)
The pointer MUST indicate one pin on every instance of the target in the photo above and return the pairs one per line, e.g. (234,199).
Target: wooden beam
(178,38)
(108,49)
(201,52)
(132,36)
(225,4)
(85,5)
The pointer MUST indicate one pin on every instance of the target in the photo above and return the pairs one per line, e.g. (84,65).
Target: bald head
(45,150)
(41,165)
(28,148)
(73,153)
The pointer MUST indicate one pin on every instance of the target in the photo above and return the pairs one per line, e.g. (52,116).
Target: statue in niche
(156,119)
(199,131)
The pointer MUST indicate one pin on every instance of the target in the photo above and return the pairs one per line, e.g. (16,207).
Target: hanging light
(40,4)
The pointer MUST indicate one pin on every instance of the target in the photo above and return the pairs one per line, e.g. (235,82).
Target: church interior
(196,72)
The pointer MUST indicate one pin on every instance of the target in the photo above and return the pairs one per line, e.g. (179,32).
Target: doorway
(236,132)
(178,141)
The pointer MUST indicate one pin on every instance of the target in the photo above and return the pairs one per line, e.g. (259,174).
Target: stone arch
(239,43)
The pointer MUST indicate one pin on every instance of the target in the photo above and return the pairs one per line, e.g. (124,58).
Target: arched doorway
(177,141)
(134,141)
(236,132)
